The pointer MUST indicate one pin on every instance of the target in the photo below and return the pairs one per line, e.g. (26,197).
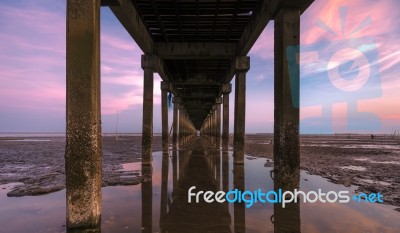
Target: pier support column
(175,123)
(164,115)
(83,137)
(180,133)
(214,124)
(242,65)
(147,129)
(286,91)
(226,89)
(218,124)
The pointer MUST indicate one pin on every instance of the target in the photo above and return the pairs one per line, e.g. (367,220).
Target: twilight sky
(349,67)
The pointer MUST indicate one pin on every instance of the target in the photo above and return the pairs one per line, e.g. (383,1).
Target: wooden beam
(129,18)
(194,50)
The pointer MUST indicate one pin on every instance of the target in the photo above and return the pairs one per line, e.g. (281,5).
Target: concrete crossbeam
(194,50)
(130,19)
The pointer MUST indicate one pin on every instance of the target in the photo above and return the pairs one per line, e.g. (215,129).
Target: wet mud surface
(371,164)
(38,163)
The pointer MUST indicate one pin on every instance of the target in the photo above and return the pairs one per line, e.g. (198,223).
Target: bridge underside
(197,41)
(197,47)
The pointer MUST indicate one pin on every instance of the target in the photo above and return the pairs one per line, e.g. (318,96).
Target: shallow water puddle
(354,168)
(28,140)
(135,166)
(161,205)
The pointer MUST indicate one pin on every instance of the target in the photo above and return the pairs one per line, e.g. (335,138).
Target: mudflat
(37,163)
(371,164)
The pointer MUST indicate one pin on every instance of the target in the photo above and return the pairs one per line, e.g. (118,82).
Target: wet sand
(371,164)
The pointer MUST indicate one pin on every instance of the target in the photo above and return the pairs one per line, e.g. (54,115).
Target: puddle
(369,181)
(28,140)
(378,162)
(372,146)
(361,159)
(355,146)
(161,205)
(135,166)
(354,168)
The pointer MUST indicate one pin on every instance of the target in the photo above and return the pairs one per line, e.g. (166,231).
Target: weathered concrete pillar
(180,133)
(147,129)
(213,124)
(242,65)
(286,91)
(164,115)
(175,123)
(209,125)
(218,120)
(184,126)
(226,89)
(83,137)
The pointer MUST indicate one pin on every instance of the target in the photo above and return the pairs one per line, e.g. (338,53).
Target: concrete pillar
(209,124)
(286,91)
(226,89)
(175,123)
(147,129)
(184,127)
(83,138)
(180,130)
(242,65)
(164,115)
(218,121)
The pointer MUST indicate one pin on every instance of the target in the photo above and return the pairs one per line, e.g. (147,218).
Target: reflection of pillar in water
(225,173)
(239,208)
(174,172)
(147,199)
(218,170)
(164,190)
(287,219)
(180,165)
